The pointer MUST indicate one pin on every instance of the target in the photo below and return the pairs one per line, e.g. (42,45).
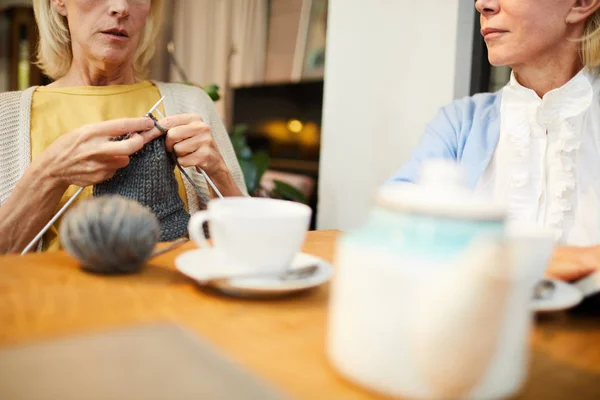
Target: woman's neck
(85,74)
(551,72)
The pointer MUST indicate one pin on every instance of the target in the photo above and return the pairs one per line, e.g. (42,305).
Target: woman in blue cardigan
(535,144)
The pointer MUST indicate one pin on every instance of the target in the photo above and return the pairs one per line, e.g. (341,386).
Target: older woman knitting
(535,144)
(62,136)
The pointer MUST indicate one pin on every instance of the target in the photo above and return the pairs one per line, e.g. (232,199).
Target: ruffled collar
(561,103)
(525,115)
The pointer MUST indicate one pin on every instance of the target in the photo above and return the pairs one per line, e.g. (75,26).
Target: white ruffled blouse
(546,166)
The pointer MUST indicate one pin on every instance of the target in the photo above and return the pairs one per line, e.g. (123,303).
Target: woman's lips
(115,34)
(492,33)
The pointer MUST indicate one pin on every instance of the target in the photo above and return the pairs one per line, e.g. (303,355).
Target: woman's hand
(89,155)
(192,141)
(83,157)
(570,263)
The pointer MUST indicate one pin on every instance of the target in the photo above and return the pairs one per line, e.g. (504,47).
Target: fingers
(96,171)
(173,121)
(204,158)
(123,147)
(590,258)
(573,263)
(150,135)
(118,127)
(188,136)
(567,271)
(106,175)
(192,144)
(117,162)
(192,141)
(107,165)
(184,132)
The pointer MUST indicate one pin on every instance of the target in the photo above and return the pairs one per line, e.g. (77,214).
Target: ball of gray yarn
(110,234)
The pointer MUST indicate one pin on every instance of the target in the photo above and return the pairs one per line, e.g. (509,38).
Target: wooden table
(47,296)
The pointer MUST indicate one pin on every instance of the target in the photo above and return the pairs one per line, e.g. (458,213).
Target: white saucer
(201,265)
(563,297)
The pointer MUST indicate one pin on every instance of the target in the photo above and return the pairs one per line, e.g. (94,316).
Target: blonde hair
(590,42)
(54,53)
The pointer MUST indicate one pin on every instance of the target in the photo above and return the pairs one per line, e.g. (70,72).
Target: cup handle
(195,228)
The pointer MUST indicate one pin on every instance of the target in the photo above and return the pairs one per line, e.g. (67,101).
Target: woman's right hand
(571,263)
(89,155)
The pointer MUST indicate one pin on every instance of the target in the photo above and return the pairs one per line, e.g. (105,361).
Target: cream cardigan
(15,149)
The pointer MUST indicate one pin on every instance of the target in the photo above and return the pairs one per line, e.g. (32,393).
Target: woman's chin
(113,59)
(498,60)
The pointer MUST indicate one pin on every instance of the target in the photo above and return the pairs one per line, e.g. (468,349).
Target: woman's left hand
(192,141)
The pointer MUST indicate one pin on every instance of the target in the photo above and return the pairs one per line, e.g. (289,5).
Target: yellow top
(55,111)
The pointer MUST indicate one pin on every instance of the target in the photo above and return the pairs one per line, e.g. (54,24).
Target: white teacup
(253,234)
(531,248)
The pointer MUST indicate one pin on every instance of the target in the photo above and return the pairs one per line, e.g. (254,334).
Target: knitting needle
(154,107)
(52,221)
(210,182)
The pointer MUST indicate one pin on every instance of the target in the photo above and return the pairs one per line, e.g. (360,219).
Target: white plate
(564,296)
(201,265)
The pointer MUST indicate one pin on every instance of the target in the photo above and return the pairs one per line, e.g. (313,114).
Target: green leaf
(240,130)
(212,91)
(245,153)
(239,142)
(253,165)
(240,147)
(212,87)
(250,171)
(288,192)
(261,159)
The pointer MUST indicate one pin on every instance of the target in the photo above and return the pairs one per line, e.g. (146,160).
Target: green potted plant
(255,164)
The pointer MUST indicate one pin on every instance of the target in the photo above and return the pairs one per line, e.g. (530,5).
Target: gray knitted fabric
(149,179)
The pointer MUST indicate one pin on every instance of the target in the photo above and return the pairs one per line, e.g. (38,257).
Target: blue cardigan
(466,130)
